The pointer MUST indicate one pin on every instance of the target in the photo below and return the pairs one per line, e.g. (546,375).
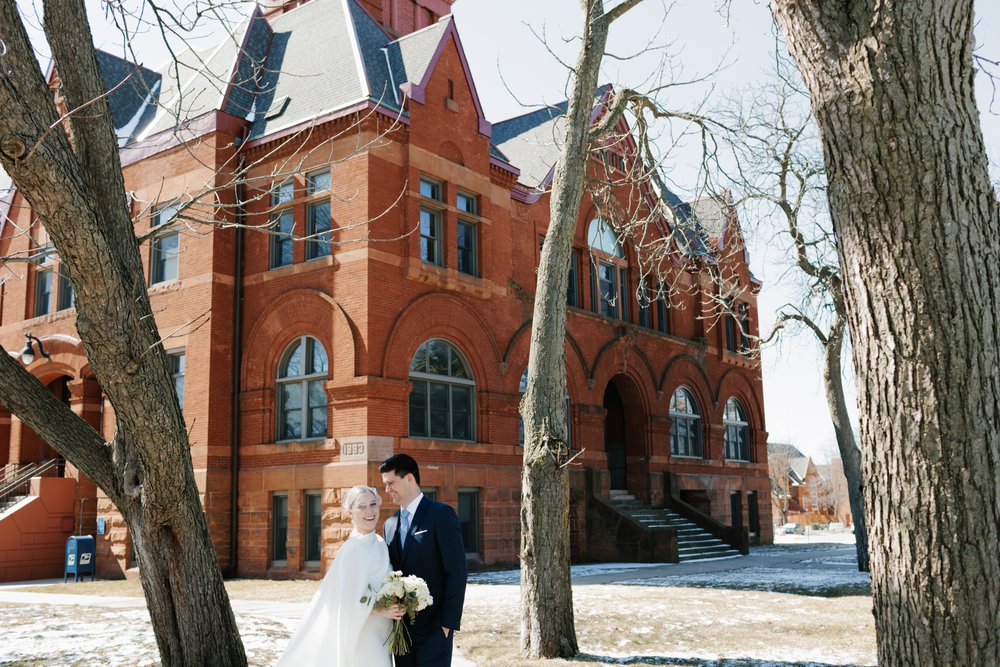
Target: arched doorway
(614,437)
(33,449)
(625,436)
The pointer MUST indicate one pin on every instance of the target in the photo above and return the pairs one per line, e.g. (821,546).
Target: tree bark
(73,182)
(547,628)
(891,84)
(850,455)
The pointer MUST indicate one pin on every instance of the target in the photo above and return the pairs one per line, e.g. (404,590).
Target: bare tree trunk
(850,455)
(891,84)
(73,182)
(547,628)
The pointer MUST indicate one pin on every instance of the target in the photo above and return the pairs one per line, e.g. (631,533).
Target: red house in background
(385,306)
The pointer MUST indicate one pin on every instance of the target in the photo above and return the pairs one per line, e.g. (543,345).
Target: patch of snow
(588,570)
(798,580)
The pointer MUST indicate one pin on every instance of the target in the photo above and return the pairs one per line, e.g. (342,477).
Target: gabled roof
(531,142)
(132,103)
(410,56)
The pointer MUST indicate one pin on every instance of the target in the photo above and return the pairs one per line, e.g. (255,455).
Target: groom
(425,540)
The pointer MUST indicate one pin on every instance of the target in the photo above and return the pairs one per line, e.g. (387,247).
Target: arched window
(609,290)
(302,403)
(602,238)
(685,424)
(737,437)
(442,401)
(523,387)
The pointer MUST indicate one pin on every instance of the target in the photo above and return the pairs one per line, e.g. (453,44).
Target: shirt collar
(412,507)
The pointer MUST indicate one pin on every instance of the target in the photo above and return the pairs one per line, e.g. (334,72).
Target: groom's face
(401,489)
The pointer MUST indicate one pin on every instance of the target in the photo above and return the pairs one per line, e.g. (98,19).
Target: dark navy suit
(435,553)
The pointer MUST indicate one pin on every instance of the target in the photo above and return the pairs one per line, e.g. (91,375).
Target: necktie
(404,526)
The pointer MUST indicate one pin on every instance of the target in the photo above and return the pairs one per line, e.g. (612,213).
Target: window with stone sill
(431,222)
(318,214)
(737,433)
(165,246)
(282,224)
(279,528)
(685,424)
(313,517)
(442,400)
(301,393)
(609,289)
(468,233)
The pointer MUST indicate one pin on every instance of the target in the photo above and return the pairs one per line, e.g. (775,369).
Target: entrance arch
(33,449)
(625,436)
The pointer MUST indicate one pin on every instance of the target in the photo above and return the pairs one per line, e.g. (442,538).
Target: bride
(339,629)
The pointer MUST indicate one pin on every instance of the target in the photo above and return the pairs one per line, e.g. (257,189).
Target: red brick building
(384,304)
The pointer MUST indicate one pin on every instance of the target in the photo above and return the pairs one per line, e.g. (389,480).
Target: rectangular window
(468,518)
(753,513)
(730,333)
(430,491)
(317,182)
(608,286)
(662,314)
(282,193)
(572,283)
(65,295)
(313,528)
(318,229)
(430,189)
(430,237)
(43,292)
(467,248)
(164,247)
(175,359)
(279,529)
(281,240)
(467,204)
(623,283)
(745,343)
(593,287)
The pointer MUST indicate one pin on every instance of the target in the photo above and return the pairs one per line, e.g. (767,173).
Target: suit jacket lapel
(414,525)
(392,533)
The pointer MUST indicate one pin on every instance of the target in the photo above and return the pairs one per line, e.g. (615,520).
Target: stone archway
(625,437)
(33,449)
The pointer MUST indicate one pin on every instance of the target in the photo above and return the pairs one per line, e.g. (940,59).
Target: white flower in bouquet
(410,592)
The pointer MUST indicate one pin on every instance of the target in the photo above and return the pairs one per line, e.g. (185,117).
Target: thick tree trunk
(891,84)
(547,628)
(850,455)
(75,186)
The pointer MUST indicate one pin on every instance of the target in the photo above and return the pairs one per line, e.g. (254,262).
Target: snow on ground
(514,576)
(77,636)
(779,580)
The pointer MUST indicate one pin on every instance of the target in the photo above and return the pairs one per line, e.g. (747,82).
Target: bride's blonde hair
(356,492)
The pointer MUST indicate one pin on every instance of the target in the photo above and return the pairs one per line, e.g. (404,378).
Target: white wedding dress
(338,629)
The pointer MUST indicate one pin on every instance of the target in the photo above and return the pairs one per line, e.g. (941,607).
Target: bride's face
(364,514)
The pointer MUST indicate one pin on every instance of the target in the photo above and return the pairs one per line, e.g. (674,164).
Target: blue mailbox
(79,557)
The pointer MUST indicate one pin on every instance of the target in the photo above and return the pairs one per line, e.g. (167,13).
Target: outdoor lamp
(28,353)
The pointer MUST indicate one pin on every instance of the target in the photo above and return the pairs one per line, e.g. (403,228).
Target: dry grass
(681,626)
(298,590)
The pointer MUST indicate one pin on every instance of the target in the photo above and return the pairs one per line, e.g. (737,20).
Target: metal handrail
(21,483)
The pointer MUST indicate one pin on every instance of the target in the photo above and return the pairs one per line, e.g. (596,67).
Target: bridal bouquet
(410,592)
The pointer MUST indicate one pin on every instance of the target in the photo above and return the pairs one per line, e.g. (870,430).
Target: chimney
(401,17)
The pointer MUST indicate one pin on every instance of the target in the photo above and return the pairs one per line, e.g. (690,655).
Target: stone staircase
(693,541)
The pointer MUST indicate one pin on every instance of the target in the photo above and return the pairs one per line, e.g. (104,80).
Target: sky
(512,69)
(514,49)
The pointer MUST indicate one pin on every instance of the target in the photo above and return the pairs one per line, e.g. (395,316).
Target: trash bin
(79,557)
